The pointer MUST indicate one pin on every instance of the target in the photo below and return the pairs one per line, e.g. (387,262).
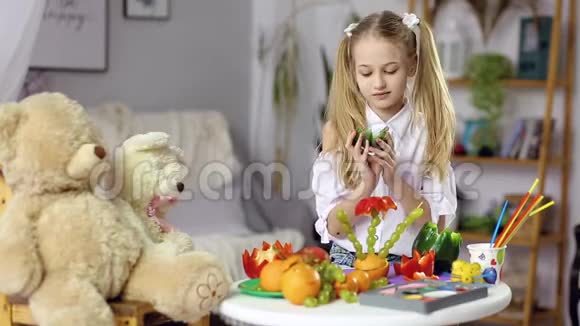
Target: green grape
(351,297)
(416,213)
(374,284)
(325,264)
(372,230)
(383,281)
(333,267)
(340,278)
(344,294)
(326,287)
(360,256)
(324,297)
(383,253)
(339,274)
(352,237)
(395,238)
(358,246)
(318,268)
(342,217)
(310,302)
(375,222)
(328,275)
(400,228)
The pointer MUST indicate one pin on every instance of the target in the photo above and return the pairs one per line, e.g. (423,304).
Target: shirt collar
(399,123)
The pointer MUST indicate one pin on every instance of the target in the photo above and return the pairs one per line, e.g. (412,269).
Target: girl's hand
(370,177)
(385,158)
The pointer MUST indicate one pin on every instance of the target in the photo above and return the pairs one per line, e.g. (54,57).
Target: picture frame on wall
(73,36)
(146,9)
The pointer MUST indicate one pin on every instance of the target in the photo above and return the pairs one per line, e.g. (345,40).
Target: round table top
(241,309)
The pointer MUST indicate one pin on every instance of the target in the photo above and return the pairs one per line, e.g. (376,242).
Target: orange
(377,273)
(299,282)
(362,279)
(350,284)
(375,266)
(271,276)
(370,262)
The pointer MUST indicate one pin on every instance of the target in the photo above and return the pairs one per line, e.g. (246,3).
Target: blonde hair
(430,96)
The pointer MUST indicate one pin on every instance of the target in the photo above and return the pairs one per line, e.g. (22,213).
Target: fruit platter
(307,277)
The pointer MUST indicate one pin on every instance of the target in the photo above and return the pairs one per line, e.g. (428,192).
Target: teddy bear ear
(178,152)
(148,141)
(10,115)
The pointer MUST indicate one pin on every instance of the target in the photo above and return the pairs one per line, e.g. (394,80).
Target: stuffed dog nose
(180,186)
(100,152)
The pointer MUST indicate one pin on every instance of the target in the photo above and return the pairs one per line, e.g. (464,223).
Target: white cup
(490,259)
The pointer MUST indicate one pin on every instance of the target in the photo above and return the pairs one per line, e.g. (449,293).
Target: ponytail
(431,98)
(345,111)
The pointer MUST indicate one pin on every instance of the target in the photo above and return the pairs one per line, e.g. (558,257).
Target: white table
(240,309)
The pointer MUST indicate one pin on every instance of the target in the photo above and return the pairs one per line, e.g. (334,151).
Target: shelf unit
(554,161)
(553,83)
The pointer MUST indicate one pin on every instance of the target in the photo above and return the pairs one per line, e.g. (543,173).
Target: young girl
(387,75)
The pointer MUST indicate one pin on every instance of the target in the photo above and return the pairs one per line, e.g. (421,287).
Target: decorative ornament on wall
(489,12)
(453,48)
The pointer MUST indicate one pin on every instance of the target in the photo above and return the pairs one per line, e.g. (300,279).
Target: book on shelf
(524,139)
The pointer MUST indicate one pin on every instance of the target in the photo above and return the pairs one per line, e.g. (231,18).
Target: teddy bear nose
(100,152)
(180,186)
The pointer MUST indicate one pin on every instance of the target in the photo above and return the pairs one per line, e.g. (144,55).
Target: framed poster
(73,36)
(146,9)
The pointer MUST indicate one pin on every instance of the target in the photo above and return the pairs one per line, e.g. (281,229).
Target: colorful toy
(465,272)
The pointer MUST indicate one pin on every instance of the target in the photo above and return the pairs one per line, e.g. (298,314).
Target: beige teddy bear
(67,250)
(5,193)
(151,172)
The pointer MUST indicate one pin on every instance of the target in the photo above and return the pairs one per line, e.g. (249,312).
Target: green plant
(486,72)
(487,93)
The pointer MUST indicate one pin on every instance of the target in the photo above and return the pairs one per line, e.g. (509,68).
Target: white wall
(196,60)
(323,26)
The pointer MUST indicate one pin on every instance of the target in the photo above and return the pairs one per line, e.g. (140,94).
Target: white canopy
(19,23)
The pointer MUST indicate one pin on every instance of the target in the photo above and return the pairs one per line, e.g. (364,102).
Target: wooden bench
(126,314)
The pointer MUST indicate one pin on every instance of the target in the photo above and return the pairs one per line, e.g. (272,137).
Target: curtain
(19,24)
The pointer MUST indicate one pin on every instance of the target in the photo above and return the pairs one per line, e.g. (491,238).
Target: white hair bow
(350,28)
(410,20)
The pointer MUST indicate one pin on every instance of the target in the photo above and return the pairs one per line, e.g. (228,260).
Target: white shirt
(409,145)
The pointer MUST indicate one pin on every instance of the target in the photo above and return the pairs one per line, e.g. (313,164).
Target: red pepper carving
(254,263)
(374,205)
(418,267)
